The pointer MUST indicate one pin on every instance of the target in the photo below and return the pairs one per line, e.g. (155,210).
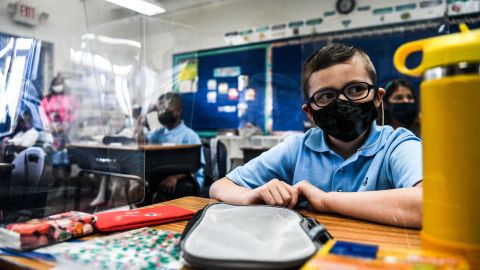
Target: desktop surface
(341,228)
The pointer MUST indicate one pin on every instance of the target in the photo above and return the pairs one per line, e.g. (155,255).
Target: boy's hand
(315,196)
(275,192)
(138,133)
(168,184)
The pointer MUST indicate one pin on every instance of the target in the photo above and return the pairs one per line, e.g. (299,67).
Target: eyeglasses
(354,92)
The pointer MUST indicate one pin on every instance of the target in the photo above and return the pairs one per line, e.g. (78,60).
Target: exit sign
(27,11)
(26,14)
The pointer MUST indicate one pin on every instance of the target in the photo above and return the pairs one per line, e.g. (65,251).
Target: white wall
(213,21)
(67,18)
(189,30)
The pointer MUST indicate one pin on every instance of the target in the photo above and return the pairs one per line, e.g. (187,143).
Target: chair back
(28,188)
(217,161)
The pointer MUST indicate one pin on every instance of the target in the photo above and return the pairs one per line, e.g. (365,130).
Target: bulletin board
(281,69)
(214,102)
(286,88)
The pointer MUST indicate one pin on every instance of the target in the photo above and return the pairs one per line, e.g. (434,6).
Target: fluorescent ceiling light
(139,6)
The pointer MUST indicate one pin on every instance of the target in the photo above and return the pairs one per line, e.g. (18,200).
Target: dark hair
(392,86)
(56,80)
(330,55)
(174,99)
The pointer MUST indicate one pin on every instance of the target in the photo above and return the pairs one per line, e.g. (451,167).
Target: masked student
(401,105)
(25,135)
(58,109)
(348,165)
(173,131)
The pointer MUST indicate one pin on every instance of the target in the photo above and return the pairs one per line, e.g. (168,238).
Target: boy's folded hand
(315,196)
(275,192)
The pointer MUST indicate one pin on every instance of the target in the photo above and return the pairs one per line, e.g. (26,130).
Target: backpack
(226,236)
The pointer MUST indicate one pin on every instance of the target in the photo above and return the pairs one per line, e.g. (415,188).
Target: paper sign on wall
(250,94)
(232,94)
(212,84)
(227,109)
(242,82)
(242,108)
(222,88)
(212,97)
(226,72)
(187,76)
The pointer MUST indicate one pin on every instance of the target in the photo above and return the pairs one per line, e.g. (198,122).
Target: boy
(174,131)
(347,153)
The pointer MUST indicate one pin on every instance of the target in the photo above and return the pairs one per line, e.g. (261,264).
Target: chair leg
(101,195)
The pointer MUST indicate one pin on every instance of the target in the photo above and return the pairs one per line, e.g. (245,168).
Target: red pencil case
(142,217)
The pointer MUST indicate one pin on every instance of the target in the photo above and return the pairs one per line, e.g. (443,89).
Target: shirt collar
(175,129)
(375,140)
(316,141)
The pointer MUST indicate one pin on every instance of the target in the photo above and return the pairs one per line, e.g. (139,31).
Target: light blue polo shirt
(181,134)
(388,159)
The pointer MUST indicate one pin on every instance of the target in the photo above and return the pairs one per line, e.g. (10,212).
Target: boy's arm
(138,131)
(399,207)
(274,192)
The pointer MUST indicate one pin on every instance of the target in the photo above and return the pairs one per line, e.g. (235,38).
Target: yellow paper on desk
(385,258)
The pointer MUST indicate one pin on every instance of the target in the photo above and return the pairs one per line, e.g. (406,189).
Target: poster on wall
(222,88)
(226,72)
(261,33)
(279,31)
(242,82)
(456,7)
(358,14)
(212,97)
(212,85)
(242,109)
(250,94)
(186,74)
(232,94)
(227,109)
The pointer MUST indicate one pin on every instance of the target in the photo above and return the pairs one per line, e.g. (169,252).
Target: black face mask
(167,118)
(404,113)
(345,120)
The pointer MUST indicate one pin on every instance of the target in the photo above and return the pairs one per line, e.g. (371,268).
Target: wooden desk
(132,146)
(341,228)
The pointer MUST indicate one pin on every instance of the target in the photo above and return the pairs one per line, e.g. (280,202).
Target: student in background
(329,166)
(58,110)
(174,131)
(25,134)
(401,105)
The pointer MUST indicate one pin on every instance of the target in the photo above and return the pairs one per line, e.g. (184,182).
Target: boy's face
(164,104)
(337,77)
(168,113)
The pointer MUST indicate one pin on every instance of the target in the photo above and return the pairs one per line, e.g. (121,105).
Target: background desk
(136,159)
(341,228)
(141,163)
(250,153)
(235,144)
(164,159)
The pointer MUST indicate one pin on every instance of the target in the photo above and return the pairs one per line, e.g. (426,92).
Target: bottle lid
(440,51)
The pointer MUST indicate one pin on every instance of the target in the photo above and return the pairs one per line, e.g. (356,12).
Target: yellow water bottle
(450,104)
